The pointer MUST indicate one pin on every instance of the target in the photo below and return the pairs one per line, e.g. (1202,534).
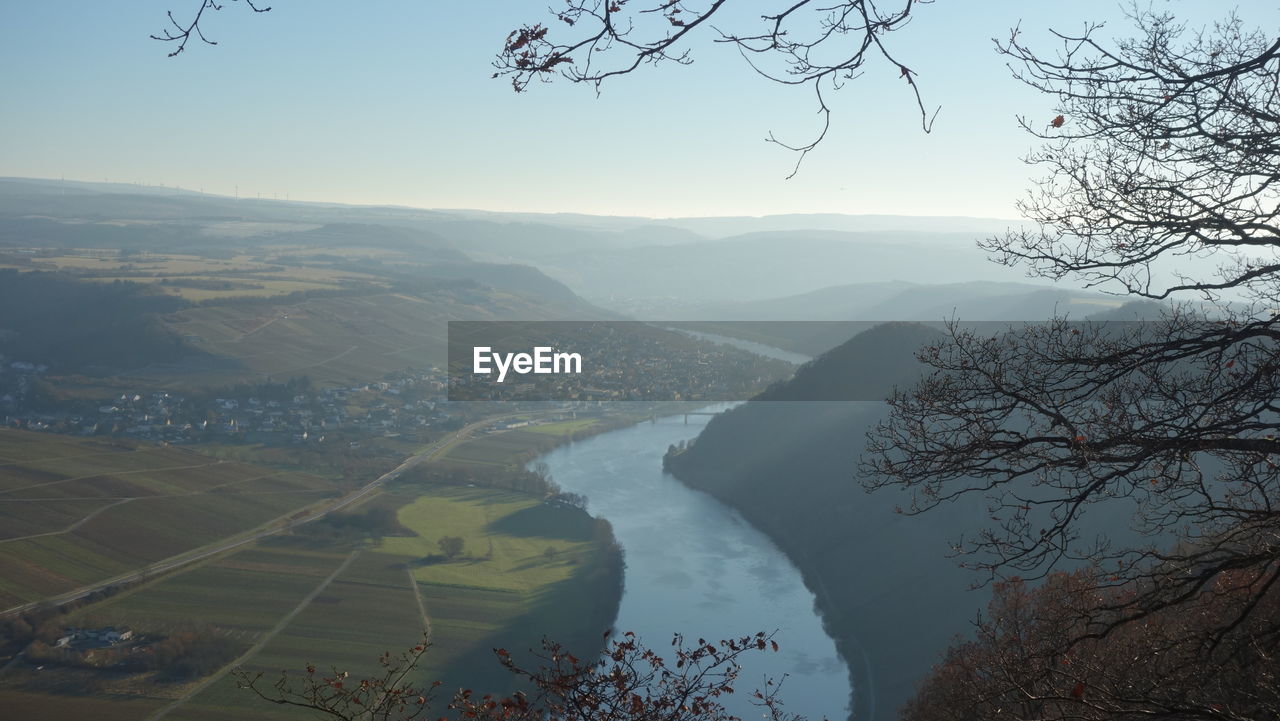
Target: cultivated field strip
(261,642)
(106,508)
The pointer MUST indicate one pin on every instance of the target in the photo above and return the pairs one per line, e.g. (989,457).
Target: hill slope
(889,594)
(179,291)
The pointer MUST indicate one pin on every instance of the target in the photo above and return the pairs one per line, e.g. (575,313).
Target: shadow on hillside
(546,520)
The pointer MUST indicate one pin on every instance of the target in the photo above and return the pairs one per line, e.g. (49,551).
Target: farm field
(244,593)
(528,569)
(521,445)
(504,550)
(368,608)
(242,596)
(563,428)
(198,278)
(76,511)
(297,599)
(500,449)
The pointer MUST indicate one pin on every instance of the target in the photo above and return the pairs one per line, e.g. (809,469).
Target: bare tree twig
(818,44)
(182,33)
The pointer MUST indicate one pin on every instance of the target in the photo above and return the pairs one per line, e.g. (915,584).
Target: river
(694,566)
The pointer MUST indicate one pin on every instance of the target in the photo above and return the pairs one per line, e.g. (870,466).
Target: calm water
(694,566)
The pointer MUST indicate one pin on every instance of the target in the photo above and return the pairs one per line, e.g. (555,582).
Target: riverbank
(697,567)
(831,606)
(515,445)
(886,589)
(341,590)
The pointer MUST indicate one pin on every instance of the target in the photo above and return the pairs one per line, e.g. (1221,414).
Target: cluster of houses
(412,401)
(16,380)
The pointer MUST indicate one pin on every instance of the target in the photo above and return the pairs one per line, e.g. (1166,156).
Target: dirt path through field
(422,607)
(261,643)
(70,528)
(110,473)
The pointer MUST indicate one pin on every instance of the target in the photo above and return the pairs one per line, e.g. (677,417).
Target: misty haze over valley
(639,360)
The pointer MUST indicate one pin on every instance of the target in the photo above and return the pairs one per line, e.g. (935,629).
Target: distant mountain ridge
(166,288)
(518,232)
(702,226)
(906,300)
(764,265)
(644,267)
(867,367)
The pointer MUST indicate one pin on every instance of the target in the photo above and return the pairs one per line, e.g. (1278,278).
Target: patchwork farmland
(78,511)
(314,595)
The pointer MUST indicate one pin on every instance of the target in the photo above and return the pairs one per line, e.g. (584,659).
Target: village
(411,404)
(272,413)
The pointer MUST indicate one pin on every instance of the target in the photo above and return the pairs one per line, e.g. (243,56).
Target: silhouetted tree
(819,45)
(451,546)
(1164,148)
(804,43)
(181,31)
(1173,665)
(628,683)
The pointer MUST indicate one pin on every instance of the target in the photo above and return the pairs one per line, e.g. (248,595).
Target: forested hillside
(73,326)
(890,593)
(788,465)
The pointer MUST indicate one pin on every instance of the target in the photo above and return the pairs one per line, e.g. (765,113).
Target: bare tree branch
(818,44)
(1165,146)
(628,682)
(180,33)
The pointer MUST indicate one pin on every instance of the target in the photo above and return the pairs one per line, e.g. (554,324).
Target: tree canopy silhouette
(1162,155)
(628,682)
(181,31)
(820,45)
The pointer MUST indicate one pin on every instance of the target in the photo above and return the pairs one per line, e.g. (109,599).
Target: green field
(520,593)
(507,535)
(298,599)
(563,428)
(78,511)
(181,275)
(500,449)
(521,445)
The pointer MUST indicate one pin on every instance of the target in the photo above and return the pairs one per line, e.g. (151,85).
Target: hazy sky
(392,102)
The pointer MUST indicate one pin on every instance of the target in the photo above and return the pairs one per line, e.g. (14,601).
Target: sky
(391,102)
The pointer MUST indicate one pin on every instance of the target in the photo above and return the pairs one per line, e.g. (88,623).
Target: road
(431,451)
